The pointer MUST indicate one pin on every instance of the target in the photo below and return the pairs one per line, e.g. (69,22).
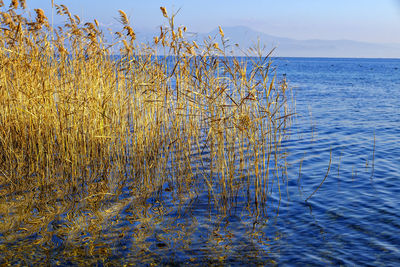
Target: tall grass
(83,131)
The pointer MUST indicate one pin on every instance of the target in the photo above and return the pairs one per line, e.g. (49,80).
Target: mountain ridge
(246,37)
(288,47)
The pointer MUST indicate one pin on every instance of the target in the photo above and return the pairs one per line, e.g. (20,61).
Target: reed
(84,132)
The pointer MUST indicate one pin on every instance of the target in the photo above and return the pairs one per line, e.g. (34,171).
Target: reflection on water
(353,219)
(164,227)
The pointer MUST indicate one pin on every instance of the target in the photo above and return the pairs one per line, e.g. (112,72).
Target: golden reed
(79,125)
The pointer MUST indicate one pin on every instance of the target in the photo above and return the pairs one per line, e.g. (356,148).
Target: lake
(354,218)
(339,203)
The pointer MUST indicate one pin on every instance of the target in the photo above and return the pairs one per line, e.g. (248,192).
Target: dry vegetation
(84,133)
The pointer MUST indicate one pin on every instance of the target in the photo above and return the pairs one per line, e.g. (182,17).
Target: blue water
(354,218)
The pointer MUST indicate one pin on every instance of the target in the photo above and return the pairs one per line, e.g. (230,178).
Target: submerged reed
(84,133)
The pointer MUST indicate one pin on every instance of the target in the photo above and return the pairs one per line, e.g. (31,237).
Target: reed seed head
(78,19)
(22,3)
(14,4)
(123,17)
(180,34)
(40,17)
(65,10)
(190,50)
(7,19)
(221,32)
(164,11)
(130,32)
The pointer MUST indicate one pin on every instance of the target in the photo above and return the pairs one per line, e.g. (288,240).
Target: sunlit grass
(84,133)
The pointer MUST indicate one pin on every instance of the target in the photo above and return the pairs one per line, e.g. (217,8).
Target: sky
(376,21)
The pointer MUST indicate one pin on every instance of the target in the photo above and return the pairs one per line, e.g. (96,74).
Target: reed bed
(89,127)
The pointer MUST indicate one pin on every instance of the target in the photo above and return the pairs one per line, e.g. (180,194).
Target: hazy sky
(361,20)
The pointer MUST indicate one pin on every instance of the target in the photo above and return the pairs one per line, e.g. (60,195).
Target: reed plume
(123,17)
(164,12)
(14,4)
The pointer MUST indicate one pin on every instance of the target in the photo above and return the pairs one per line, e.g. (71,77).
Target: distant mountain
(287,47)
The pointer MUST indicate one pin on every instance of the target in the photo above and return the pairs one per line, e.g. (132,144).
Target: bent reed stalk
(80,127)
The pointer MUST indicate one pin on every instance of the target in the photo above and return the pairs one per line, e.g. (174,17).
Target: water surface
(348,122)
(354,217)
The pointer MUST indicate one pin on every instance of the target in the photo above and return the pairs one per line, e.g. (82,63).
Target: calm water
(349,114)
(354,219)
